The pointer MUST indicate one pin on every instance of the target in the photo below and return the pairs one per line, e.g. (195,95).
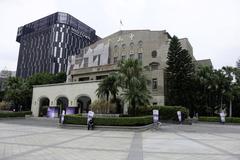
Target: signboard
(155,116)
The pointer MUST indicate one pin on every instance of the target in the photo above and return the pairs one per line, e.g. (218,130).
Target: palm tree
(233,89)
(103,90)
(133,83)
(109,86)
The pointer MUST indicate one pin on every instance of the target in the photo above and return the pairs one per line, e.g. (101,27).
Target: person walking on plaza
(61,117)
(90,119)
(179,114)
(222,116)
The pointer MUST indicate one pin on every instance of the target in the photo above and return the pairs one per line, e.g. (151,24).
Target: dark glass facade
(45,44)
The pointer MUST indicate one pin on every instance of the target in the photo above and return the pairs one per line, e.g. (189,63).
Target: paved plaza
(22,139)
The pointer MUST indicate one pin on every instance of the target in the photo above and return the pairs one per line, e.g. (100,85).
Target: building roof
(204,62)
(58,17)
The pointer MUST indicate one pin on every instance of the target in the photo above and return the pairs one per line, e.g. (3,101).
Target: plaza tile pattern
(43,140)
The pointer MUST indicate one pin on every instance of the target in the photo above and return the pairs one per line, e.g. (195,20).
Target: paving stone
(27,139)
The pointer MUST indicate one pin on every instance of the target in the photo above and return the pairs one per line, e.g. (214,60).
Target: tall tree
(180,71)
(18,92)
(133,83)
(108,86)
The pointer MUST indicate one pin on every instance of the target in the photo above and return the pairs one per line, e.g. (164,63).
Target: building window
(101,77)
(154,83)
(83,79)
(96,59)
(131,56)
(99,59)
(123,58)
(56,38)
(131,45)
(115,48)
(140,44)
(62,17)
(154,67)
(154,54)
(123,46)
(85,62)
(115,60)
(140,56)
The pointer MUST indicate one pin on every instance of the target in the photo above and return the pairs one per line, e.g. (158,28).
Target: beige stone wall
(72,91)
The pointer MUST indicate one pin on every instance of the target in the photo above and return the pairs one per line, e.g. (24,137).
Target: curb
(218,123)
(116,128)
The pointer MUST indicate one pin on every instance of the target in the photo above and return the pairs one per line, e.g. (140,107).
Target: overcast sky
(212,26)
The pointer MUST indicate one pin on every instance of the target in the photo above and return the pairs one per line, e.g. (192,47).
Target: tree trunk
(134,107)
(107,97)
(221,101)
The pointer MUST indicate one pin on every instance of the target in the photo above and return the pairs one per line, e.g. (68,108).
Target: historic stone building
(151,47)
(98,60)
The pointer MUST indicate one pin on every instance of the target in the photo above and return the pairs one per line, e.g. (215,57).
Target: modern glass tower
(45,44)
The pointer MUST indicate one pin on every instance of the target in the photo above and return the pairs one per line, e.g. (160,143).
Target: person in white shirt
(222,116)
(179,114)
(90,119)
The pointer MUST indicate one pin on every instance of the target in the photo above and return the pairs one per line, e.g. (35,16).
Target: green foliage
(107,86)
(14,114)
(180,71)
(133,83)
(109,121)
(19,91)
(1,95)
(232,119)
(46,78)
(165,112)
(59,77)
(216,89)
(217,119)
(170,112)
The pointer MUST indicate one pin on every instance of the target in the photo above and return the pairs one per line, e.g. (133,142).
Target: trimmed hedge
(217,119)
(109,121)
(14,114)
(165,112)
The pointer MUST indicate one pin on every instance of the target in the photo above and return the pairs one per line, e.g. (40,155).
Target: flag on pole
(121,22)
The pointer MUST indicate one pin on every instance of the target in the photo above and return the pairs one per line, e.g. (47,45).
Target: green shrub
(209,119)
(217,119)
(14,114)
(109,121)
(233,119)
(165,112)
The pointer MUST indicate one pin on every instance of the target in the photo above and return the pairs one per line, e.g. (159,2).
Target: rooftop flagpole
(121,25)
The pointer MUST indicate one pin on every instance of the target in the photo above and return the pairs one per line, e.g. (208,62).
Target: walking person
(179,114)
(90,119)
(222,116)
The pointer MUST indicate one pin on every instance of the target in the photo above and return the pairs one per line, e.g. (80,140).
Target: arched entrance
(62,104)
(83,103)
(43,107)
